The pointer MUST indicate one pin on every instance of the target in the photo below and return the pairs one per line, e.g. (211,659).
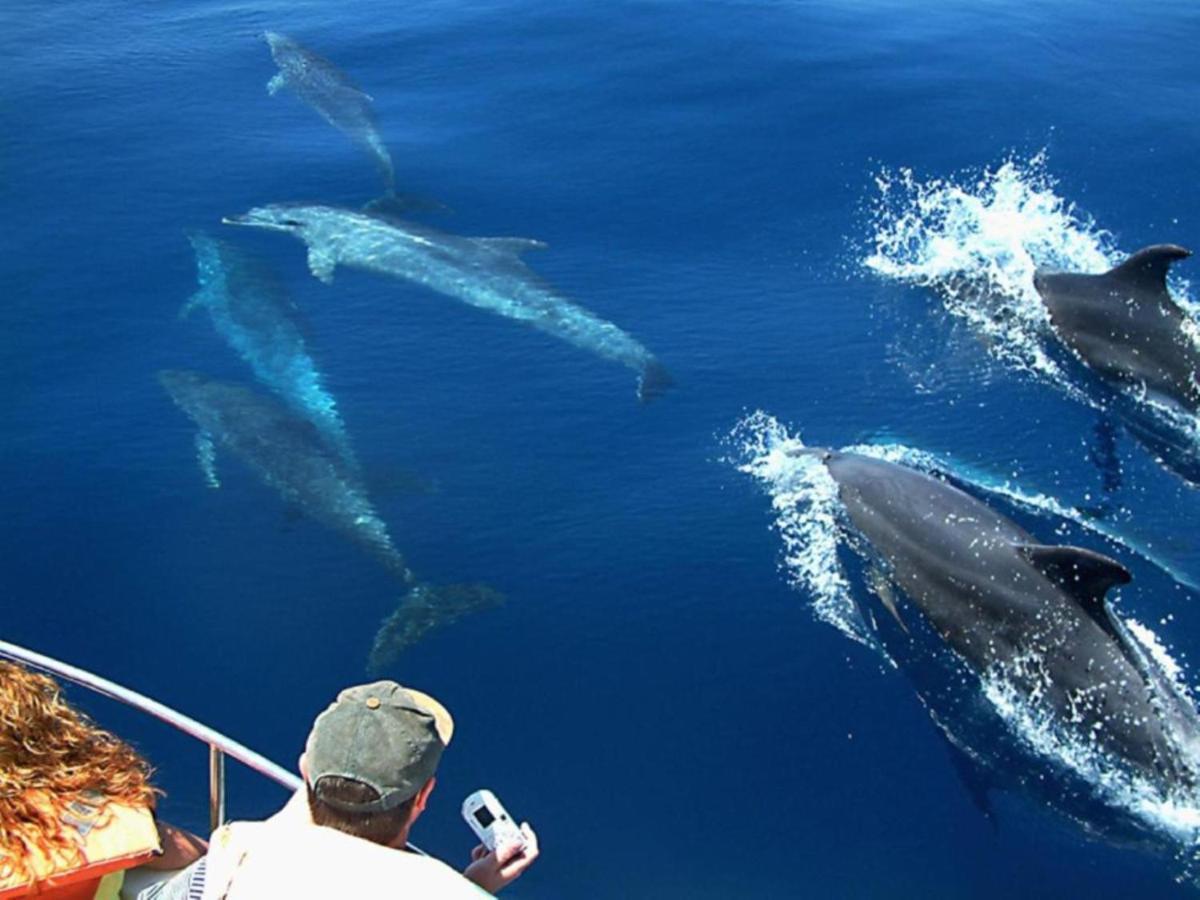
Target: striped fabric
(187,884)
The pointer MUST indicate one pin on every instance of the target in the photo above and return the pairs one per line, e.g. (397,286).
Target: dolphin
(487,273)
(325,88)
(288,452)
(1032,614)
(252,312)
(423,609)
(1124,325)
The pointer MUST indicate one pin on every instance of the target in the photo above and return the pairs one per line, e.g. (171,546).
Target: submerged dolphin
(291,455)
(1034,615)
(1125,326)
(287,452)
(483,272)
(325,88)
(251,311)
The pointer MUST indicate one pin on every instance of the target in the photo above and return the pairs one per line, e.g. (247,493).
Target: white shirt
(287,856)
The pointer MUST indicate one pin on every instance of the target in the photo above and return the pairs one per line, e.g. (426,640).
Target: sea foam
(808,518)
(976,240)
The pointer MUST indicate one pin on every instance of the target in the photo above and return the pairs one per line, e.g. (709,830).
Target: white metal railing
(219,746)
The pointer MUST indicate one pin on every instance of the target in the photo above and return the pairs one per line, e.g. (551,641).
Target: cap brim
(441,717)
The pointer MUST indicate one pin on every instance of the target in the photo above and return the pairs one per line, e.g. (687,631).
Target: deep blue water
(654,697)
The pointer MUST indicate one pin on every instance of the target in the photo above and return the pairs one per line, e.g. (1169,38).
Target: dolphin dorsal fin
(1147,269)
(1085,575)
(513,246)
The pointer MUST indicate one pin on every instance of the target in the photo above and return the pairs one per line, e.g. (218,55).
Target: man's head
(371,757)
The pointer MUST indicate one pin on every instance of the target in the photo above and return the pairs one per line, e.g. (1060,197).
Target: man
(369,767)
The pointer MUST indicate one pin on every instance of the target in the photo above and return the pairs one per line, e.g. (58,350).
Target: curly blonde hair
(50,755)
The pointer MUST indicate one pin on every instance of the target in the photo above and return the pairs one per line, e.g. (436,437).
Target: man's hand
(494,871)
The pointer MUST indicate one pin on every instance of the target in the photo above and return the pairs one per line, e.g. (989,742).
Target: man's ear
(419,801)
(302,765)
(423,794)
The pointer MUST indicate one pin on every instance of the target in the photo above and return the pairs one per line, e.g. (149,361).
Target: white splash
(978,244)
(1173,813)
(808,518)
(805,502)
(977,241)
(1172,670)
(1149,640)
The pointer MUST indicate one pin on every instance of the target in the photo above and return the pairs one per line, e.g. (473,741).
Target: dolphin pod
(486,273)
(251,311)
(1008,605)
(325,88)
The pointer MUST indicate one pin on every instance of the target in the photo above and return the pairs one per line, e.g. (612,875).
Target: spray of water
(976,241)
(1172,813)
(805,503)
(808,518)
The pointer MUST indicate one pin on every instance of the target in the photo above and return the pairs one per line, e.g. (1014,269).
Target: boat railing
(219,746)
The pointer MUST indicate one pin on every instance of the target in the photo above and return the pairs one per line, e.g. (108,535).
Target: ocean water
(782,200)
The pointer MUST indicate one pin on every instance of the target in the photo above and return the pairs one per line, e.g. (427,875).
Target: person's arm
(179,848)
(495,870)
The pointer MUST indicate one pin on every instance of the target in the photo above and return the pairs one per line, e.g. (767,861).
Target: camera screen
(484,816)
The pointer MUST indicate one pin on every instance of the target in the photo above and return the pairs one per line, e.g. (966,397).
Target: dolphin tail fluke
(423,609)
(654,381)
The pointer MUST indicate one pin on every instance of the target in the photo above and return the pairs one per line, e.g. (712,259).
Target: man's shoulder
(325,861)
(449,881)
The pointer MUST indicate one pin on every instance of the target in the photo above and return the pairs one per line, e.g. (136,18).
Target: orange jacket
(112,838)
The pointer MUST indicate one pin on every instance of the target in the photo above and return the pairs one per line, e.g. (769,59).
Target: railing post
(219,746)
(216,787)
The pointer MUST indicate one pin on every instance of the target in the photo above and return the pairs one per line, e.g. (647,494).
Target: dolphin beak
(250,220)
(824,454)
(259,218)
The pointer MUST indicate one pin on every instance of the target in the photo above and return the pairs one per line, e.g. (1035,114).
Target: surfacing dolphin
(487,273)
(288,452)
(254,315)
(1033,615)
(1126,327)
(325,88)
